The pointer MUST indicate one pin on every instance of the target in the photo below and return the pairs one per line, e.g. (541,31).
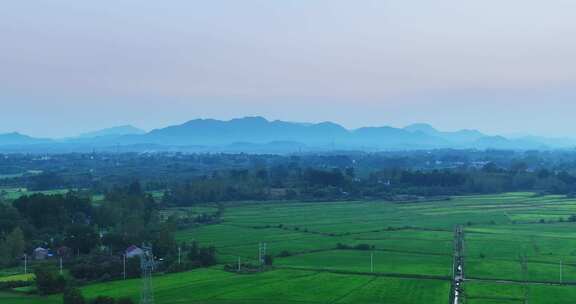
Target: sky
(500,66)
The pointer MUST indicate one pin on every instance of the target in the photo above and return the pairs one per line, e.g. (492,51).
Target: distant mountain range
(16,138)
(256,134)
(114,131)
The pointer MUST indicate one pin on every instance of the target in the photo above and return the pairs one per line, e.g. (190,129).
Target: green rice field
(513,246)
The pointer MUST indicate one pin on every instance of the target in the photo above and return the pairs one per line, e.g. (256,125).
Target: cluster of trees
(123,219)
(198,178)
(12,247)
(193,256)
(93,237)
(214,189)
(346,183)
(103,267)
(50,282)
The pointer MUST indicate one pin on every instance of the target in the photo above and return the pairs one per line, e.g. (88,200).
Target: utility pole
(60,265)
(25,264)
(239,264)
(124,266)
(179,255)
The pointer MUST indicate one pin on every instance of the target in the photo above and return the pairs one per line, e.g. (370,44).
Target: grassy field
(410,245)
(11,194)
(17,277)
(273,287)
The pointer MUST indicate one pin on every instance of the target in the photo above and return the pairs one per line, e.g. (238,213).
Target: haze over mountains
(256,134)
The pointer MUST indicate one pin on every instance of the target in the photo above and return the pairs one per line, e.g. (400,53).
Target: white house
(134,251)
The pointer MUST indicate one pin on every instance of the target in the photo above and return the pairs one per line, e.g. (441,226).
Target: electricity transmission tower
(261,253)
(147,267)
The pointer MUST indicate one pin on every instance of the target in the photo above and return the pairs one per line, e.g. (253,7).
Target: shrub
(103,300)
(14,284)
(49,282)
(73,296)
(284,253)
(124,301)
(363,247)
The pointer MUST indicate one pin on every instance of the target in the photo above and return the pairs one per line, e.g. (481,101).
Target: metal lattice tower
(147,267)
(262,253)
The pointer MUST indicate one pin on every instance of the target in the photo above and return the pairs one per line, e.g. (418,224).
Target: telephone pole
(25,264)
(60,265)
(124,266)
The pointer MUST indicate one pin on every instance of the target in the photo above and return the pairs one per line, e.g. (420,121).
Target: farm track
(519,282)
(374,274)
(353,290)
(521,300)
(334,249)
(339,234)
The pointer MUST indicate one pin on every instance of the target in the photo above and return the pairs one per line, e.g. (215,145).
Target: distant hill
(257,134)
(459,137)
(16,138)
(114,131)
(256,130)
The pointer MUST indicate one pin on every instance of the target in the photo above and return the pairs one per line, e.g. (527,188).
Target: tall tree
(15,243)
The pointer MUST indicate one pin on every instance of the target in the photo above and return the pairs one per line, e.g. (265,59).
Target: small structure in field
(40,253)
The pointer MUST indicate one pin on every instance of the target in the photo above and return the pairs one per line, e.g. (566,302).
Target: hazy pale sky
(501,66)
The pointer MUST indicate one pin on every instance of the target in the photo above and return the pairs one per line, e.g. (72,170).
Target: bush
(14,284)
(73,296)
(363,247)
(184,266)
(103,300)
(49,282)
(124,301)
(104,268)
(284,253)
